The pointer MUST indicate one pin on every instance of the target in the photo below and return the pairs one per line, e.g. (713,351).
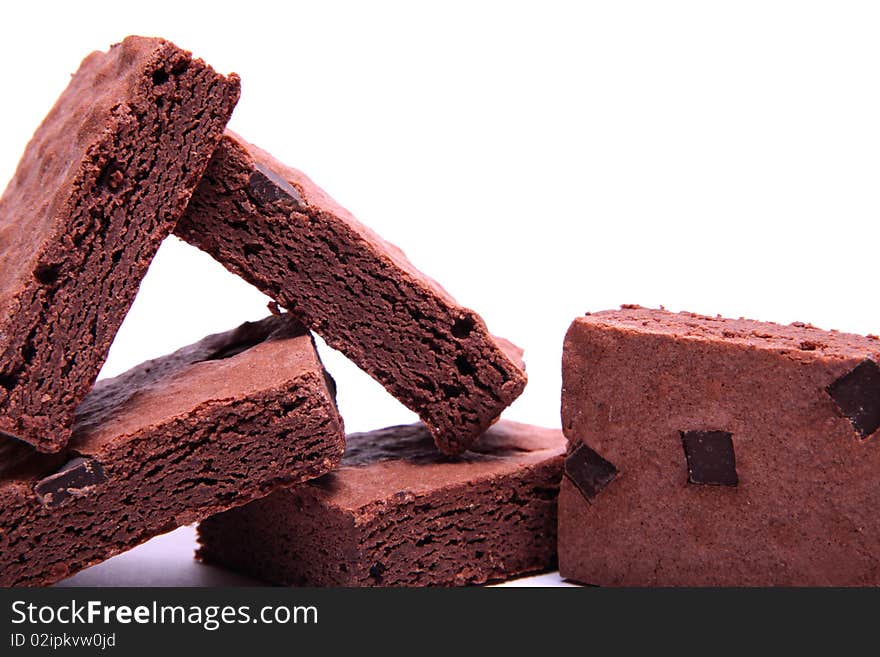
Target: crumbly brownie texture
(102,182)
(710,451)
(274,227)
(397,513)
(174,440)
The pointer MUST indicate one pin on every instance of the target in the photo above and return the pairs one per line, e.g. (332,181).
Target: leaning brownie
(278,230)
(102,182)
(174,440)
(397,513)
(709,451)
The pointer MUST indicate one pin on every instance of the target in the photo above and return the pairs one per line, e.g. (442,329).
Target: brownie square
(744,452)
(102,182)
(398,513)
(174,440)
(274,227)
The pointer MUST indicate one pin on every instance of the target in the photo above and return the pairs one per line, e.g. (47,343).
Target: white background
(538,159)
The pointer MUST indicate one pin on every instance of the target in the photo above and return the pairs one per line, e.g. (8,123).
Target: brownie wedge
(398,513)
(103,180)
(719,452)
(172,441)
(275,228)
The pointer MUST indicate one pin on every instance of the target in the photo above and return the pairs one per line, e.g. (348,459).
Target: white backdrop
(538,159)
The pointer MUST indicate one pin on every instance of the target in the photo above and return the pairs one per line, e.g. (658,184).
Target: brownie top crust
(403,460)
(797,340)
(254,357)
(50,168)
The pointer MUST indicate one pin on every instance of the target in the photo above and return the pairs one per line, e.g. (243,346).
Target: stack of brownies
(244,423)
(694,450)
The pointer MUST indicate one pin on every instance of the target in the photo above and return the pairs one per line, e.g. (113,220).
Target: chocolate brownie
(211,426)
(102,182)
(710,451)
(275,228)
(398,513)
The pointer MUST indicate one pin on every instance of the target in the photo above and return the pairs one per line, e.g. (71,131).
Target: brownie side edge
(352,288)
(491,529)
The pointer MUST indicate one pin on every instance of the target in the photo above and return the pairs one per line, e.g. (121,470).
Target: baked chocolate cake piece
(397,513)
(274,227)
(103,181)
(710,451)
(172,441)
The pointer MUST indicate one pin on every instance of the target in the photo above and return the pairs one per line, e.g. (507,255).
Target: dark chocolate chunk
(268,187)
(857,395)
(376,571)
(75,479)
(588,471)
(710,457)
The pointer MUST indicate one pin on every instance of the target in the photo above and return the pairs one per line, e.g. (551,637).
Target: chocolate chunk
(710,457)
(588,471)
(76,478)
(266,186)
(857,395)
(376,571)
